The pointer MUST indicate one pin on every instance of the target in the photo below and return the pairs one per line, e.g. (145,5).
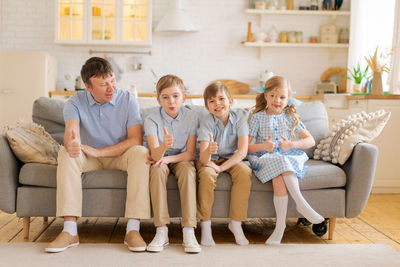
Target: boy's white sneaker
(159,241)
(190,242)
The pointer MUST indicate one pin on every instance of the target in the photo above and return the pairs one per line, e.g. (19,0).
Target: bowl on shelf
(259,36)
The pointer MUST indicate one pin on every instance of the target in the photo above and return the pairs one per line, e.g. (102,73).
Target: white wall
(215,52)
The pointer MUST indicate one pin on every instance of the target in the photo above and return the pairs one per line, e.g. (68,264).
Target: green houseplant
(358,75)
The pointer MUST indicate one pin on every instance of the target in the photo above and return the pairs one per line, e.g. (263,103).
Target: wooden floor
(379,223)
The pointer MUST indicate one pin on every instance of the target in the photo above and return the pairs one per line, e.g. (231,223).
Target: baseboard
(386,186)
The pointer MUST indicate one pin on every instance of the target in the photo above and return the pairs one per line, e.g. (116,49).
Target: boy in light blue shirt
(171,137)
(223,136)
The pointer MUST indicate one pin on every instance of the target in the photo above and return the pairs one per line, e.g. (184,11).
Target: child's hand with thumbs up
(212,146)
(168,140)
(285,145)
(73,146)
(268,145)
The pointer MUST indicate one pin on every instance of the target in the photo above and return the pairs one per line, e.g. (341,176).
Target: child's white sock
(292,185)
(70,227)
(133,224)
(206,234)
(280,204)
(236,229)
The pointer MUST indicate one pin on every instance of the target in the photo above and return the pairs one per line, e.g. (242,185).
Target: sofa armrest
(360,173)
(9,171)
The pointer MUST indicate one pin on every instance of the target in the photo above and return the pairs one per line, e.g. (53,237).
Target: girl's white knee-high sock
(280,204)
(292,185)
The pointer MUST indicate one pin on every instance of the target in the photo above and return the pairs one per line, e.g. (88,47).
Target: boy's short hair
(168,81)
(213,88)
(95,67)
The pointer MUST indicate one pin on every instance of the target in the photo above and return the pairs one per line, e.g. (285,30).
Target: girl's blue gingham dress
(266,165)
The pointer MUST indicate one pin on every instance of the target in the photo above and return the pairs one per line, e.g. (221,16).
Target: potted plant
(357,75)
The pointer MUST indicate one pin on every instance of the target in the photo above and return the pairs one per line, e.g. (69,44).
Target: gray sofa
(334,191)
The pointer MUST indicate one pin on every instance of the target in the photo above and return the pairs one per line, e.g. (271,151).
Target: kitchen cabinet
(387,176)
(104,22)
(298,14)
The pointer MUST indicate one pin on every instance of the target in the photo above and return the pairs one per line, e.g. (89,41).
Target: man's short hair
(95,67)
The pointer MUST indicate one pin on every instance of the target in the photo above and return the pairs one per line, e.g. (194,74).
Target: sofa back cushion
(48,112)
(315,118)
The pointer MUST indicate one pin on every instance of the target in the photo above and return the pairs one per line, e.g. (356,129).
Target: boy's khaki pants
(240,192)
(185,172)
(69,181)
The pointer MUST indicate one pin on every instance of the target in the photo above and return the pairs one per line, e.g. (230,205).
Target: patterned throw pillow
(31,143)
(338,144)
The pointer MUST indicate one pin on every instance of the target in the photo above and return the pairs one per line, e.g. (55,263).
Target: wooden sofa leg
(27,222)
(45,219)
(332,223)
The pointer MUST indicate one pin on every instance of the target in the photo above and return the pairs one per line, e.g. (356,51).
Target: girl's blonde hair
(272,84)
(168,81)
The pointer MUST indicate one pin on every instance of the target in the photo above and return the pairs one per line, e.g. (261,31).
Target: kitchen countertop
(253,96)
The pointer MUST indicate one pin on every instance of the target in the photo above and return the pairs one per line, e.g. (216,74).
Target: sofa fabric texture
(333,191)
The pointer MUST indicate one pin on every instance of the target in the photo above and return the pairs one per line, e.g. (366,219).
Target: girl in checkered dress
(275,139)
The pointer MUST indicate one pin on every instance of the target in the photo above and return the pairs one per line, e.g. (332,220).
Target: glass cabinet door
(136,22)
(124,22)
(70,20)
(102,22)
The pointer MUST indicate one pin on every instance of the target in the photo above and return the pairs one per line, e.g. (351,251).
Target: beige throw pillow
(338,144)
(31,143)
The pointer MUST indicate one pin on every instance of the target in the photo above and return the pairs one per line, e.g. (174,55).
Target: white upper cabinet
(114,22)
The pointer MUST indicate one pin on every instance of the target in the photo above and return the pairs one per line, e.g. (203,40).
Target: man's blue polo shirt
(103,125)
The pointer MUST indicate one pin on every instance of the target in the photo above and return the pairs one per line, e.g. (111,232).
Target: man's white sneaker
(190,242)
(159,241)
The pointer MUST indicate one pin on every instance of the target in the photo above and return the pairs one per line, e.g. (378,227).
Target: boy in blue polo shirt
(223,137)
(171,136)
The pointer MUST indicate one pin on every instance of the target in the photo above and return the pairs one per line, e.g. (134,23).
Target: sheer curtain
(371,24)
(358,32)
(394,75)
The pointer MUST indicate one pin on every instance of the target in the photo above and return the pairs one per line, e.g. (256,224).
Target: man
(102,131)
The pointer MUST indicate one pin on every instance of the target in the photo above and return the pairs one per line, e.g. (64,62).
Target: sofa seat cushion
(319,175)
(44,175)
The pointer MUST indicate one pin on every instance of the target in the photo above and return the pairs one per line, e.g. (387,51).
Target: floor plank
(5,218)
(37,227)
(10,230)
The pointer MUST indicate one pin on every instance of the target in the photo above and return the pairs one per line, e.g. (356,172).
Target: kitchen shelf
(298,12)
(199,96)
(261,45)
(331,13)
(312,45)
